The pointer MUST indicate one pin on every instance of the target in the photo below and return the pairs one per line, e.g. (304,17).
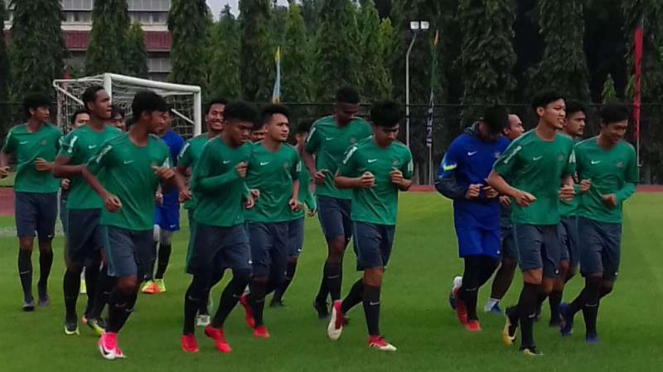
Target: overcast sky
(217,5)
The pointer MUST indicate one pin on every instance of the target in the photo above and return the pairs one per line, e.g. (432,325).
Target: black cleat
(29,305)
(276,303)
(322,308)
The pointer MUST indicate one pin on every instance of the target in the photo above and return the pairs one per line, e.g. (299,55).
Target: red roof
(154,41)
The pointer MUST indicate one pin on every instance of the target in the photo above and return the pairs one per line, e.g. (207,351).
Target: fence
(449,123)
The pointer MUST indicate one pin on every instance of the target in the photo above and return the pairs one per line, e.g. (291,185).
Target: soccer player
(296,228)
(167,217)
(330,137)
(608,170)
(186,165)
(84,235)
(536,163)
(220,239)
(509,262)
(34,145)
(375,169)
(258,134)
(134,164)
(462,178)
(273,174)
(118,118)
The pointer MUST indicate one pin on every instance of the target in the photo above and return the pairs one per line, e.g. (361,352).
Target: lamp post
(416,27)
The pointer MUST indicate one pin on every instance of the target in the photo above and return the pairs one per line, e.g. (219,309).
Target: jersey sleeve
(102,160)
(68,146)
(570,168)
(506,164)
(408,166)
(313,140)
(10,143)
(447,183)
(184,158)
(631,177)
(348,167)
(296,166)
(177,149)
(58,140)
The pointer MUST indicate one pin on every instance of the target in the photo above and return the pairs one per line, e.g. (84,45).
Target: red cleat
(261,332)
(461,309)
(217,335)
(248,312)
(189,344)
(473,326)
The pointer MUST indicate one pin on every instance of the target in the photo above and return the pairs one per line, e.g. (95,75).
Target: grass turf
(415,314)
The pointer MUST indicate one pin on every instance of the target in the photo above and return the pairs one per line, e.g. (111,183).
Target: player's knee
(242,276)
(373,277)
(509,264)
(26,244)
(533,277)
(563,268)
(336,249)
(127,285)
(607,288)
(293,259)
(155,233)
(166,237)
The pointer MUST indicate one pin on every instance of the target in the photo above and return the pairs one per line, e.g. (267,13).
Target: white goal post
(185,100)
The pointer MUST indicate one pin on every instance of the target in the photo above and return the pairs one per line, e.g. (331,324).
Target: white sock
(490,304)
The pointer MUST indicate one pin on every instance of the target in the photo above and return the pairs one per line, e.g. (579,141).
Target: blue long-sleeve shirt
(175,144)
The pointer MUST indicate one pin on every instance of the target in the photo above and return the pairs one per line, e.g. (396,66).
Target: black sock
(257,300)
(355,296)
(472,276)
(488,267)
(71,285)
(324,288)
(578,303)
(526,313)
(164,258)
(371,302)
(91,279)
(229,298)
(25,273)
(591,309)
(555,298)
(45,264)
(469,296)
(153,260)
(120,307)
(334,275)
(104,288)
(192,299)
(204,301)
(289,275)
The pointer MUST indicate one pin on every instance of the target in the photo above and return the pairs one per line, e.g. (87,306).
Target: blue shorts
(568,240)
(601,248)
(538,248)
(334,216)
(167,218)
(269,249)
(373,244)
(296,237)
(129,252)
(509,249)
(478,242)
(38,213)
(219,248)
(85,239)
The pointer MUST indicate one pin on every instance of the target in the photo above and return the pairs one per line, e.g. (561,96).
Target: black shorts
(269,249)
(538,248)
(296,237)
(129,252)
(600,248)
(217,248)
(334,216)
(85,238)
(38,213)
(373,244)
(568,240)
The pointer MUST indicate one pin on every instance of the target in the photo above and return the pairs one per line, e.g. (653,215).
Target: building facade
(152,15)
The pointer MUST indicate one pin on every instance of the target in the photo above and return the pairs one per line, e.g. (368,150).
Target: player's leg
(505,273)
(46,219)
(104,287)
(470,249)
(26,223)
(165,250)
(262,241)
(75,259)
(295,244)
(96,268)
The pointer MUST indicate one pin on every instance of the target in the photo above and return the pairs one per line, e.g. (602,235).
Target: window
(77,5)
(149,5)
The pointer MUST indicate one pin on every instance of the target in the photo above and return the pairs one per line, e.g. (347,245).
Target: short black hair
(215,101)
(241,111)
(304,126)
(74,116)
(90,95)
(573,106)
(274,109)
(147,101)
(614,112)
(496,118)
(347,94)
(116,110)
(544,98)
(34,101)
(386,113)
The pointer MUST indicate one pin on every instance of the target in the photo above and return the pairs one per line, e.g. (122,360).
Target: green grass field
(415,314)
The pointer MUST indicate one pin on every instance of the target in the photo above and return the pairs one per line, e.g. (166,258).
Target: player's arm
(447,183)
(93,167)
(61,167)
(631,179)
(504,166)
(5,155)
(184,160)
(312,147)
(402,178)
(204,183)
(347,175)
(44,166)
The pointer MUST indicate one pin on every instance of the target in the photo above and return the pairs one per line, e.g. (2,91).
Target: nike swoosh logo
(128,162)
(472,153)
(262,164)
(595,162)
(226,161)
(372,160)
(23,142)
(374,303)
(329,138)
(537,158)
(91,147)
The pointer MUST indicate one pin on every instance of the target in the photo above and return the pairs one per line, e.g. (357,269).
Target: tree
(256,53)
(4,71)
(224,57)
(107,51)
(609,92)
(137,53)
(375,80)
(296,80)
(38,50)
(337,57)
(311,11)
(277,24)
(487,57)
(564,66)
(188,22)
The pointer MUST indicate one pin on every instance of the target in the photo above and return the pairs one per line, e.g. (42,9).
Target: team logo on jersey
(395,163)
(497,154)
(286,165)
(43,143)
(619,165)
(353,140)
(560,157)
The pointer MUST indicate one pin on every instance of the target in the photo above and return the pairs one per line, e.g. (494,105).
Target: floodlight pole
(407,89)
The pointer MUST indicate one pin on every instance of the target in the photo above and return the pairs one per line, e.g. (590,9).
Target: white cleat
(335,327)
(203,320)
(379,343)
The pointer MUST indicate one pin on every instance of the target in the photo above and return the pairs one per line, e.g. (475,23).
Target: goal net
(185,100)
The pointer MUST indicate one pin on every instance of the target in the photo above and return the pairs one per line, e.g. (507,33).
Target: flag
(431,101)
(637,101)
(276,94)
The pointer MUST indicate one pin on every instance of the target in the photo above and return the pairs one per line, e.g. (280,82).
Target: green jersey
(189,157)
(29,147)
(220,190)
(305,194)
(328,142)
(129,175)
(570,209)
(273,173)
(379,204)
(537,167)
(613,171)
(79,147)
